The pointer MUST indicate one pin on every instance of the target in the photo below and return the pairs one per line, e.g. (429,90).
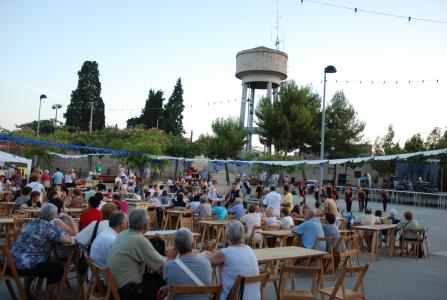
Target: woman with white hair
(33,248)
(236,259)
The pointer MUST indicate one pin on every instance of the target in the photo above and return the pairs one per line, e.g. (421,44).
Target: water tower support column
(243,103)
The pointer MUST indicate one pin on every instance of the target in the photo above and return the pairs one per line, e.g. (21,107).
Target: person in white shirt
(273,200)
(36,186)
(102,245)
(84,237)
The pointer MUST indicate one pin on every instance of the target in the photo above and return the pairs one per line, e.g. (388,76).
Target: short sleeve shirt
(220,211)
(309,231)
(35,243)
(130,253)
(288,199)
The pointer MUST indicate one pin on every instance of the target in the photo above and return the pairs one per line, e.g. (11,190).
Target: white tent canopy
(8,157)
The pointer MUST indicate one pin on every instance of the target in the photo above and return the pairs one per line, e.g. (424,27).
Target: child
(286,220)
(270,219)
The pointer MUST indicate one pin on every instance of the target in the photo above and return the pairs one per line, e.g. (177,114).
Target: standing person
(273,200)
(68,179)
(366,192)
(329,193)
(45,178)
(57,177)
(233,194)
(36,186)
(384,197)
(361,198)
(348,197)
(317,192)
(288,199)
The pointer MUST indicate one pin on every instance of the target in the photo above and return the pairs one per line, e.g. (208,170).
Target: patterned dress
(240,261)
(35,243)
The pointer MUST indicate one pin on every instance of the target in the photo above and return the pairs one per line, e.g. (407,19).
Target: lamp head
(330,69)
(43,97)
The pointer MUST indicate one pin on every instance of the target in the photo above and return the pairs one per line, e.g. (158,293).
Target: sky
(149,44)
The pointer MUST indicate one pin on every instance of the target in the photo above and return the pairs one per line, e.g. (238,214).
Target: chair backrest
(7,263)
(413,232)
(361,271)
(19,224)
(187,222)
(316,278)
(329,243)
(352,243)
(95,283)
(5,210)
(215,290)
(112,289)
(235,289)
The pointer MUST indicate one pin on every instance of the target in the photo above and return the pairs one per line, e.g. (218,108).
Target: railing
(404,197)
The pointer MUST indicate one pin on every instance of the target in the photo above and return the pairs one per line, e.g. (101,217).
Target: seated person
(164,199)
(409,223)
(237,209)
(204,208)
(296,212)
(236,259)
(85,235)
(121,204)
(252,219)
(378,215)
(367,218)
(77,201)
(132,252)
(310,230)
(64,221)
(286,221)
(317,209)
(91,214)
(331,230)
(219,211)
(393,216)
(24,196)
(34,201)
(179,201)
(33,248)
(102,245)
(270,219)
(173,271)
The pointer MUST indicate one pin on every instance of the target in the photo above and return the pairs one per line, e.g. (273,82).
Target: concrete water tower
(258,68)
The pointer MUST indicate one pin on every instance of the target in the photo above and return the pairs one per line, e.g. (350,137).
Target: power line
(356,9)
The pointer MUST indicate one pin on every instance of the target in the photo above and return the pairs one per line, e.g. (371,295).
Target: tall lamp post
(328,69)
(38,118)
(56,107)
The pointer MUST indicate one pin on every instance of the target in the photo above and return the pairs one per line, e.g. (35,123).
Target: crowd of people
(116,238)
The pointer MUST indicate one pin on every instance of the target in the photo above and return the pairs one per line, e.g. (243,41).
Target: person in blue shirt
(219,211)
(310,230)
(237,209)
(57,177)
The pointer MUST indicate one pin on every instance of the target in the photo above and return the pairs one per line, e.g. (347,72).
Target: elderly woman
(173,271)
(409,223)
(33,248)
(252,219)
(236,259)
(64,221)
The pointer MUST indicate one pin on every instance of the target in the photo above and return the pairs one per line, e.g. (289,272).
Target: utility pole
(91,117)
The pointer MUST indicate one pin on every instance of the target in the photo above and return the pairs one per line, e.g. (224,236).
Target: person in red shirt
(91,214)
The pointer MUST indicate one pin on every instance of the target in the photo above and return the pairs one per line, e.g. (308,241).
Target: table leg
(392,240)
(218,237)
(205,229)
(374,247)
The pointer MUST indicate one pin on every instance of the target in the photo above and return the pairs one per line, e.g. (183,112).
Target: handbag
(82,263)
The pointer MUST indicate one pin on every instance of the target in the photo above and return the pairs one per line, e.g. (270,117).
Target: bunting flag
(284,163)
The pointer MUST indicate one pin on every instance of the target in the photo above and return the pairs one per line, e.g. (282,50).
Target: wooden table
(177,214)
(280,235)
(31,210)
(166,234)
(220,224)
(375,242)
(272,256)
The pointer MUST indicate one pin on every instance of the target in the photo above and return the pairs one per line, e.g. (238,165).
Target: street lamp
(38,119)
(56,107)
(328,69)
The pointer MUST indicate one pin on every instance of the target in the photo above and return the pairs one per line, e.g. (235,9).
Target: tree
(385,146)
(46,126)
(151,112)
(172,116)
(88,91)
(414,144)
(292,122)
(227,140)
(434,139)
(343,129)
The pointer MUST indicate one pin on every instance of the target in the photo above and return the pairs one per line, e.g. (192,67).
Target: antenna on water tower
(277,41)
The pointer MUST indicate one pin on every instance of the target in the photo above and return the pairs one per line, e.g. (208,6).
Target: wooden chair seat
(340,291)
(339,294)
(299,294)
(215,290)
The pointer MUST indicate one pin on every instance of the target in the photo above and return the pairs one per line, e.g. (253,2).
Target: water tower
(258,68)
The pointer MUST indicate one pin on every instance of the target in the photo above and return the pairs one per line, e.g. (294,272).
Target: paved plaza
(390,277)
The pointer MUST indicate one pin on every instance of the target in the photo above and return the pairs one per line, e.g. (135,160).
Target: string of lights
(342,82)
(356,10)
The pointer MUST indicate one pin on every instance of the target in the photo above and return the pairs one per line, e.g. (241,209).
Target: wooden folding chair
(165,222)
(339,291)
(112,289)
(8,272)
(327,259)
(236,289)
(352,245)
(95,286)
(19,224)
(253,242)
(186,221)
(410,246)
(215,290)
(294,294)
